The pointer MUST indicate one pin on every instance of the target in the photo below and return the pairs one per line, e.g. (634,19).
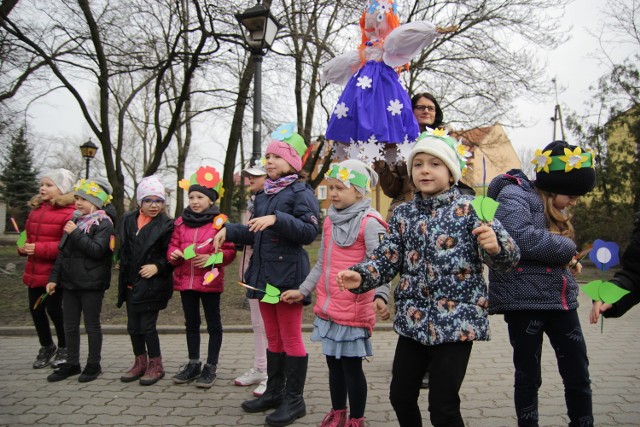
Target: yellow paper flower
(344,175)
(542,160)
(440,132)
(573,159)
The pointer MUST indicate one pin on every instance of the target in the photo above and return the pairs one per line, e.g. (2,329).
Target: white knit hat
(62,178)
(150,186)
(441,146)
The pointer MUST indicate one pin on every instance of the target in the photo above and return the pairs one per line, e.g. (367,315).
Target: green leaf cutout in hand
(22,239)
(604,291)
(189,252)
(271,290)
(485,207)
(270,300)
(214,259)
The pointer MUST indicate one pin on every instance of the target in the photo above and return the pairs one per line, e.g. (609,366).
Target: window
(322,192)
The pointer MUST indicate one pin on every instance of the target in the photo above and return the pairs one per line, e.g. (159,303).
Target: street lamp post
(88,150)
(259,28)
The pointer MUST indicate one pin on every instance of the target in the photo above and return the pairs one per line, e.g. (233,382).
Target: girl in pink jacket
(344,321)
(195,277)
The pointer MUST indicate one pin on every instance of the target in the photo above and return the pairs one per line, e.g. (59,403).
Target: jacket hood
(62,200)
(512,177)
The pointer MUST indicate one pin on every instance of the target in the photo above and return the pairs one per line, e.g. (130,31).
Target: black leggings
(142,329)
(191,307)
(52,306)
(346,377)
(89,305)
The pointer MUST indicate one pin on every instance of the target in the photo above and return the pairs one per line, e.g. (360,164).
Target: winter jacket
(187,277)
(345,308)
(542,280)
(278,256)
(44,227)
(84,263)
(441,296)
(629,276)
(140,247)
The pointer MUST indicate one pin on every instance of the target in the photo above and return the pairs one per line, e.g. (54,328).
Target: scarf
(274,187)
(142,220)
(194,219)
(346,222)
(85,222)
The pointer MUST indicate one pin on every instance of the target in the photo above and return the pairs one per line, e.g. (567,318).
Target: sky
(574,65)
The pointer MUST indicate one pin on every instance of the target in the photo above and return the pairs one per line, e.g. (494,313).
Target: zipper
(192,268)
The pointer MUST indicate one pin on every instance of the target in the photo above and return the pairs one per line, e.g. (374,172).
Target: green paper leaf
(592,290)
(189,252)
(270,299)
(22,240)
(611,293)
(217,258)
(272,291)
(485,207)
(211,260)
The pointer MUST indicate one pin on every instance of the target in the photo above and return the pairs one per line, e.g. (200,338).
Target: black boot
(274,393)
(293,406)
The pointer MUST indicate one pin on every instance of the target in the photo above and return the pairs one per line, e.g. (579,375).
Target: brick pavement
(27,399)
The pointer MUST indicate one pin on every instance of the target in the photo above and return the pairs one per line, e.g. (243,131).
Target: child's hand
(291,296)
(148,270)
(69,227)
(176,255)
(575,266)
(381,308)
(200,260)
(348,279)
(28,248)
(51,288)
(219,239)
(261,223)
(487,239)
(597,308)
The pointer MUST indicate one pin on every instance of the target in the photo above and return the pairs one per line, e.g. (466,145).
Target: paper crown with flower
(349,176)
(461,150)
(206,176)
(93,189)
(287,133)
(387,6)
(572,159)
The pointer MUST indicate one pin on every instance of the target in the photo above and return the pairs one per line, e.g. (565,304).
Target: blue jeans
(526,329)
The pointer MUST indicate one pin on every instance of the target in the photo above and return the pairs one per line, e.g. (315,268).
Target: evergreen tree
(18,179)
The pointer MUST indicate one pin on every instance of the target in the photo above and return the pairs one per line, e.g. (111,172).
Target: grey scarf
(346,222)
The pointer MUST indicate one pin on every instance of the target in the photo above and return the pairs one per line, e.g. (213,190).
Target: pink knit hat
(288,145)
(150,186)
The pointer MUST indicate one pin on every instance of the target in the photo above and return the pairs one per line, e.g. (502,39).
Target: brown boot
(154,372)
(137,370)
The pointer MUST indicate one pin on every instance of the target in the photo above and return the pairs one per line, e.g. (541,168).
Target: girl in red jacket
(344,321)
(189,251)
(53,207)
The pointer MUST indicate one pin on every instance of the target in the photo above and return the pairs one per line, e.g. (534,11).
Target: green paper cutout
(272,291)
(604,291)
(22,240)
(214,259)
(189,252)
(270,300)
(485,207)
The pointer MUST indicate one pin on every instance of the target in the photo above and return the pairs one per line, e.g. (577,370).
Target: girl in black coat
(145,278)
(83,269)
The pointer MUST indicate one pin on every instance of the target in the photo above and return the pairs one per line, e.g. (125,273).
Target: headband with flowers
(572,159)
(349,176)
(387,6)
(206,176)
(93,189)
(461,150)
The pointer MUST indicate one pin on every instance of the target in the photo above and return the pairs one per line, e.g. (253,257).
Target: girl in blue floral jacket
(437,244)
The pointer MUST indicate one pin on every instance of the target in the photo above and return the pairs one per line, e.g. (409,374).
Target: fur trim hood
(62,200)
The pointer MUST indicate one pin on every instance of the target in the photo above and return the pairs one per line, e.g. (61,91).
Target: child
(344,321)
(256,175)
(285,218)
(439,311)
(540,296)
(194,228)
(52,208)
(83,270)
(145,278)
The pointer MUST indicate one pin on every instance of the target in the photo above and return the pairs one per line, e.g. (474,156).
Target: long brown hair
(558,221)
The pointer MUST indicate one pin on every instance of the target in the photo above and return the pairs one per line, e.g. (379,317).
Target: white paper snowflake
(353,150)
(339,152)
(404,150)
(341,110)
(371,151)
(372,139)
(364,82)
(395,107)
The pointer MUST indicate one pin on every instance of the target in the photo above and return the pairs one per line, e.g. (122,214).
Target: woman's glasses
(151,202)
(422,108)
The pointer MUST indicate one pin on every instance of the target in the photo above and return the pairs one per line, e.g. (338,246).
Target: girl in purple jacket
(344,321)
(189,251)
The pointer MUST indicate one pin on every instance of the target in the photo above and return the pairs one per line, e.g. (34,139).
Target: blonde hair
(558,221)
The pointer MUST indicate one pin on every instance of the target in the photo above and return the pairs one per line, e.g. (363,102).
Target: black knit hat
(209,192)
(561,169)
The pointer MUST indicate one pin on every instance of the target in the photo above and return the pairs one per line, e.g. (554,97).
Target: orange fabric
(143,220)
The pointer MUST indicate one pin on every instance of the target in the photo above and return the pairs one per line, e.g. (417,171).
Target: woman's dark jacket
(84,263)
(140,247)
